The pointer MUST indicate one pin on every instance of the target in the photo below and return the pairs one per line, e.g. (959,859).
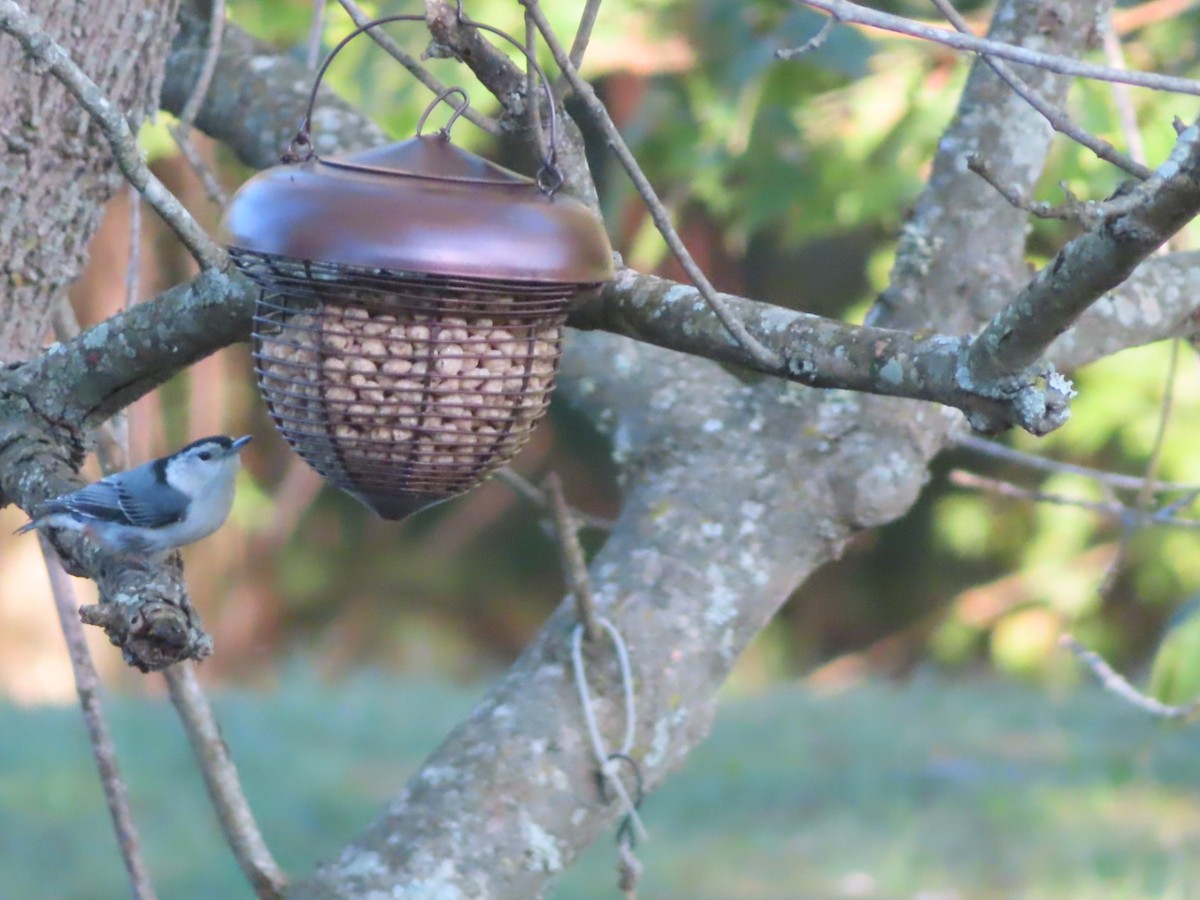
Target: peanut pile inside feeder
(430,402)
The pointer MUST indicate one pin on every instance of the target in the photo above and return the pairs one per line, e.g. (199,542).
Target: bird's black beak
(239,444)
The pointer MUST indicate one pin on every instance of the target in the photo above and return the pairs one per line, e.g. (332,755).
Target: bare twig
(1160,434)
(316,31)
(523,487)
(422,74)
(217,195)
(813,43)
(87,684)
(574,563)
(1116,683)
(1084,212)
(183,130)
(121,138)
(113,444)
(1032,461)
(845,11)
(533,90)
(1121,95)
(1125,515)
(212,53)
(1057,118)
(583,34)
(133,267)
(1146,494)
(224,786)
(658,212)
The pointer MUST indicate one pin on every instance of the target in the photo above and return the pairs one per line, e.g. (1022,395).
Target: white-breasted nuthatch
(156,507)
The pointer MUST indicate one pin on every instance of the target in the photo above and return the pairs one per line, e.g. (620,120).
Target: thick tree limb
(818,352)
(110,365)
(85,380)
(1161,299)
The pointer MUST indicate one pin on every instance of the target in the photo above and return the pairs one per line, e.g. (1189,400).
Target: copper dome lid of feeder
(421,205)
(409,323)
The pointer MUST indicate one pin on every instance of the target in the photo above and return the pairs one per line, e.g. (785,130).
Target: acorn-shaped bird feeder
(408,329)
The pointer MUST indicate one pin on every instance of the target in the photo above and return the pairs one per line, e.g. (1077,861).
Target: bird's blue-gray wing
(133,498)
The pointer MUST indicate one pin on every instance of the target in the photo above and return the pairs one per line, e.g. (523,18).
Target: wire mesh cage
(412,301)
(399,388)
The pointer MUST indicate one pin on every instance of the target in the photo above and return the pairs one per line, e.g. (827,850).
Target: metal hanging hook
(459,109)
(549,177)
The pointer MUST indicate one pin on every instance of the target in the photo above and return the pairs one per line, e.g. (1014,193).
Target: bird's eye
(205,455)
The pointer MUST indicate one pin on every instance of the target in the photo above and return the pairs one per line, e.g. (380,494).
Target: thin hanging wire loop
(609,762)
(549,176)
(459,109)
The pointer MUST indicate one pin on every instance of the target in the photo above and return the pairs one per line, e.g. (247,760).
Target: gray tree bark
(56,170)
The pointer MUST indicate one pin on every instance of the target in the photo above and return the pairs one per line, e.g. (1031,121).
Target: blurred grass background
(790,182)
(989,775)
(932,789)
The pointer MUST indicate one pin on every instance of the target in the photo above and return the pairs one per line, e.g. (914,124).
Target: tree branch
(47,406)
(1125,516)
(257,96)
(83,382)
(662,219)
(845,11)
(574,563)
(182,131)
(1116,480)
(817,352)
(1090,265)
(1058,119)
(583,34)
(1116,683)
(1161,299)
(87,685)
(508,83)
(418,71)
(224,785)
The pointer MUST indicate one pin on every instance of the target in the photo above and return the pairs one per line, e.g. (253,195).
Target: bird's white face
(202,465)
